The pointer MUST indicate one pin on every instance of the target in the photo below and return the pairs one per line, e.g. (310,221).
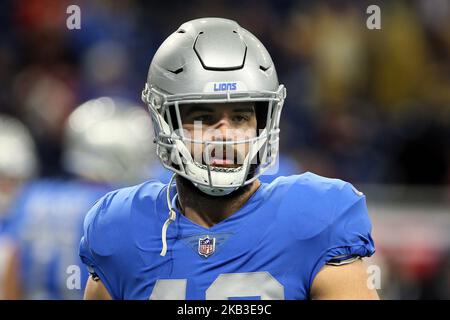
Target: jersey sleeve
(117,230)
(91,244)
(349,234)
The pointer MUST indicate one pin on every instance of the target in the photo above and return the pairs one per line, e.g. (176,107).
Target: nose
(223,126)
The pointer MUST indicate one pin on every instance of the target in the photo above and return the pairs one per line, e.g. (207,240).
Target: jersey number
(227,285)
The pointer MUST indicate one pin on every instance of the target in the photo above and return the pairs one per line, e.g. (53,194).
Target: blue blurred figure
(284,166)
(18,163)
(108,143)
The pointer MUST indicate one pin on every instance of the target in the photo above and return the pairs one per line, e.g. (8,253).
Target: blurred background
(368,106)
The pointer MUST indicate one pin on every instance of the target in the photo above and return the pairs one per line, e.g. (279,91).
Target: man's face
(219,122)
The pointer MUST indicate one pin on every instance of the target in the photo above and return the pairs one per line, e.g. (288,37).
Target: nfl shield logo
(206,246)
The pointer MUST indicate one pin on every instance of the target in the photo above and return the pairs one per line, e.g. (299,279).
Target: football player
(215,231)
(107,143)
(18,164)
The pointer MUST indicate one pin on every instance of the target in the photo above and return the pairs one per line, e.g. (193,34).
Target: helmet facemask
(174,145)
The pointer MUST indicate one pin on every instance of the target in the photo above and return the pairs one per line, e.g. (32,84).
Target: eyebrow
(202,108)
(198,108)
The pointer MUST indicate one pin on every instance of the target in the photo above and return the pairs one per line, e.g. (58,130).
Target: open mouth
(222,162)
(218,162)
(223,159)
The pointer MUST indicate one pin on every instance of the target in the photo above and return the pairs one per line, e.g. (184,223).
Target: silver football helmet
(18,158)
(18,153)
(109,140)
(212,60)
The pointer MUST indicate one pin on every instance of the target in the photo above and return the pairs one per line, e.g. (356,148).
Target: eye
(205,118)
(240,118)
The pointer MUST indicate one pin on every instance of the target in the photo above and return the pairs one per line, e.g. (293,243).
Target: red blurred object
(40,15)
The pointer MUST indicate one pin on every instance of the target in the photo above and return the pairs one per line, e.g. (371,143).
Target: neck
(206,210)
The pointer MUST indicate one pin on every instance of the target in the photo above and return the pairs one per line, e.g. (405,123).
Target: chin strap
(170,219)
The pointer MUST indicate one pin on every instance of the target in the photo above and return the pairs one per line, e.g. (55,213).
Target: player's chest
(228,266)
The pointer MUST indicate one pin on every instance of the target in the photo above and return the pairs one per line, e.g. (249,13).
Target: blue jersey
(285,166)
(46,225)
(271,248)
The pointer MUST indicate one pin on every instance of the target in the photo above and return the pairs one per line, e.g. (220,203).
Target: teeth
(222,160)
